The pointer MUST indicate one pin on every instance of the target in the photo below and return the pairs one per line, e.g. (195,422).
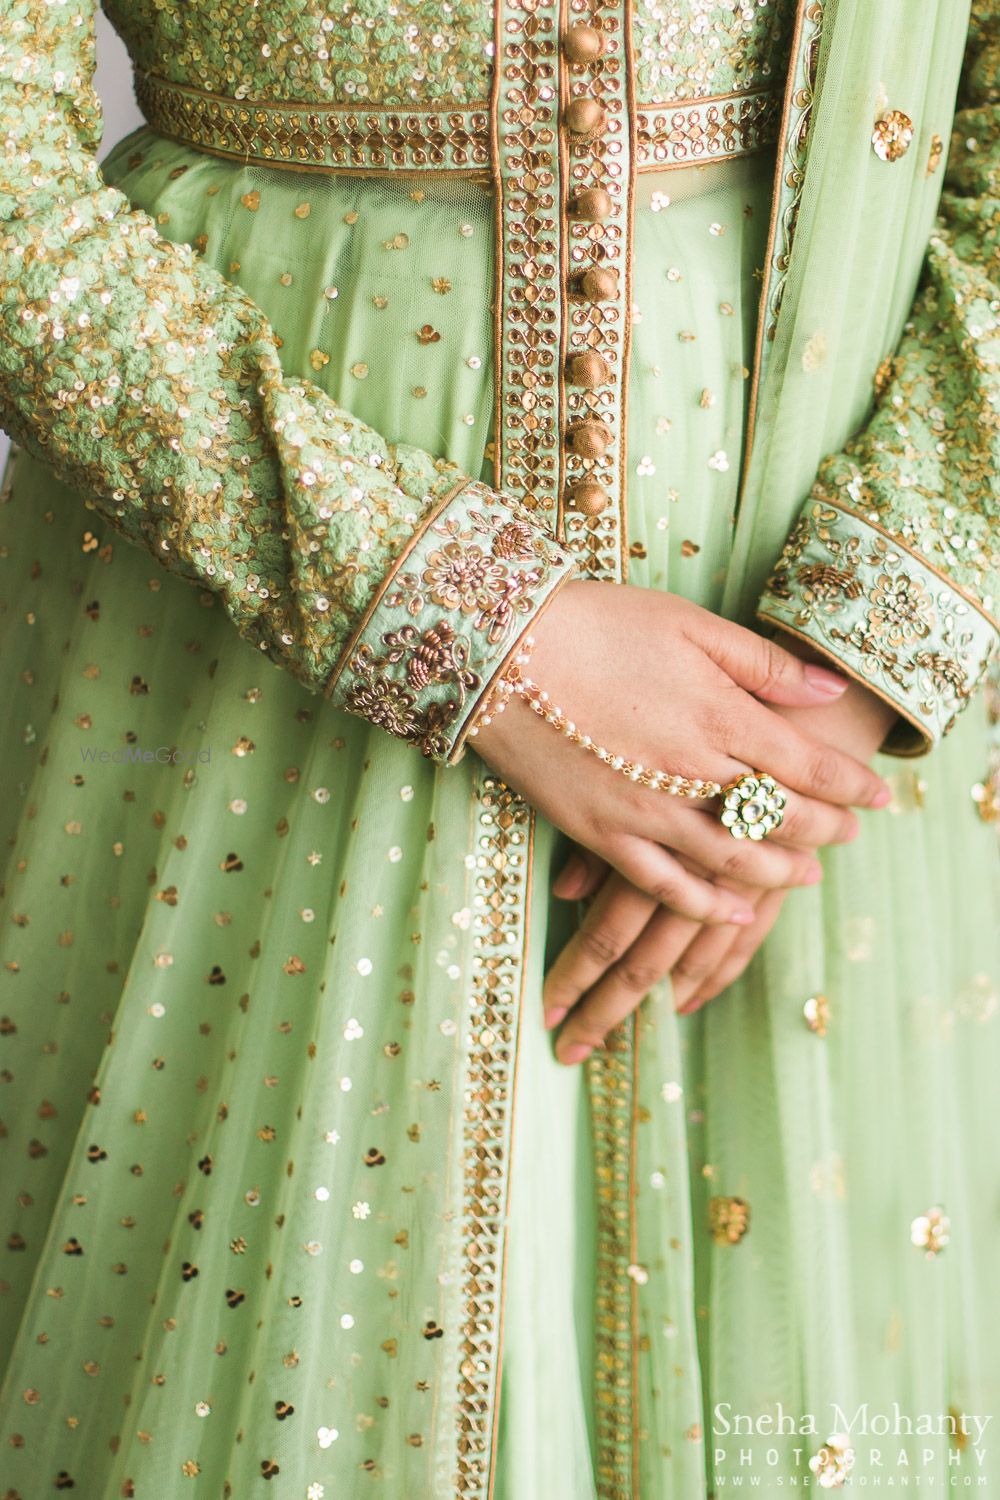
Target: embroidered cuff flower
(475,574)
(887,617)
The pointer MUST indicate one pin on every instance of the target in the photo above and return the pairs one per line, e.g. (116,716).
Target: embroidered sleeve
(373,571)
(893,567)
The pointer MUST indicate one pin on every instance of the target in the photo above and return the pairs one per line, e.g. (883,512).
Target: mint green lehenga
(236,983)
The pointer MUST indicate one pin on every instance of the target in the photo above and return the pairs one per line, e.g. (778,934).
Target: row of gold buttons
(596,188)
(589,437)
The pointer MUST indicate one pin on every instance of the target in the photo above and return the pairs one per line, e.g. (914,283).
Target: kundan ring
(752,806)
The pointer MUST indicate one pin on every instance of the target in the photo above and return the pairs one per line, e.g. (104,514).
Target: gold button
(599,283)
(892,135)
(591,203)
(587,497)
(590,439)
(585,116)
(588,369)
(583,44)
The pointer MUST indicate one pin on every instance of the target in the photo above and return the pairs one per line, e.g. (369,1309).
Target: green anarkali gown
(296,1198)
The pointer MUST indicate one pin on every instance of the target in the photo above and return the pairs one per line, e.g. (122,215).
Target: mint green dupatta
(893,567)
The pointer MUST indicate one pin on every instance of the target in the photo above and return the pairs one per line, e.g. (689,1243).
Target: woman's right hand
(662,681)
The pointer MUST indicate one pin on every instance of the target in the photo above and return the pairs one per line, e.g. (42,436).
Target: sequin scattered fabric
(268,1006)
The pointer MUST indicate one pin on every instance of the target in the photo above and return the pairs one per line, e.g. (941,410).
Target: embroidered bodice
(415,55)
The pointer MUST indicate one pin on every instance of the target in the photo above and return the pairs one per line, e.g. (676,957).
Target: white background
(114,84)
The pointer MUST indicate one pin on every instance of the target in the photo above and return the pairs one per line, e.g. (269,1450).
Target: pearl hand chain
(514,681)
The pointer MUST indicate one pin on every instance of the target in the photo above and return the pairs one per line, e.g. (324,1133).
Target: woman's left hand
(627,943)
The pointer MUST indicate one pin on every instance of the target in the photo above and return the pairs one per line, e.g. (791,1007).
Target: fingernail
(823,680)
(882,798)
(569,877)
(554,1016)
(742,918)
(575,1052)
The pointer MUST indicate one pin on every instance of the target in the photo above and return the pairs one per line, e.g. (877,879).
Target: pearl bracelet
(514,681)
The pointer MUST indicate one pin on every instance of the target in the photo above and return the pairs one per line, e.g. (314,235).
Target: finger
(767,670)
(650,959)
(739,955)
(661,875)
(811,824)
(749,862)
(614,919)
(805,764)
(580,876)
(696,964)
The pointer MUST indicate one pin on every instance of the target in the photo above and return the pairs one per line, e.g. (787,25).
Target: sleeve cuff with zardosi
(886,616)
(475,575)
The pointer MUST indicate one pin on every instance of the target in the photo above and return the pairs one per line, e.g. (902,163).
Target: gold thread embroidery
(684,132)
(307,136)
(504,843)
(313,135)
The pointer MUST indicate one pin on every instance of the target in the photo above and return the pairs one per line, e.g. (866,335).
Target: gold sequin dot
(892,135)
(466,230)
(331,294)
(728,1219)
(318,359)
(359,370)
(352,217)
(380,302)
(285,278)
(817,1013)
(251,201)
(303,210)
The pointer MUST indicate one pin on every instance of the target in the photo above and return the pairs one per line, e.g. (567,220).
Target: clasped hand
(663,681)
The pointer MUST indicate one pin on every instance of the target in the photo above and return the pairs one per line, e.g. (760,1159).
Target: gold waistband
(334,138)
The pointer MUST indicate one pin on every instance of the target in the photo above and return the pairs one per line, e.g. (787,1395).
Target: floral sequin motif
(489,568)
(728,1219)
(892,135)
(884,614)
(833,1463)
(931,1231)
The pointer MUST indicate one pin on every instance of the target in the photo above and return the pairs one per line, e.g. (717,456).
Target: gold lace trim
(308,136)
